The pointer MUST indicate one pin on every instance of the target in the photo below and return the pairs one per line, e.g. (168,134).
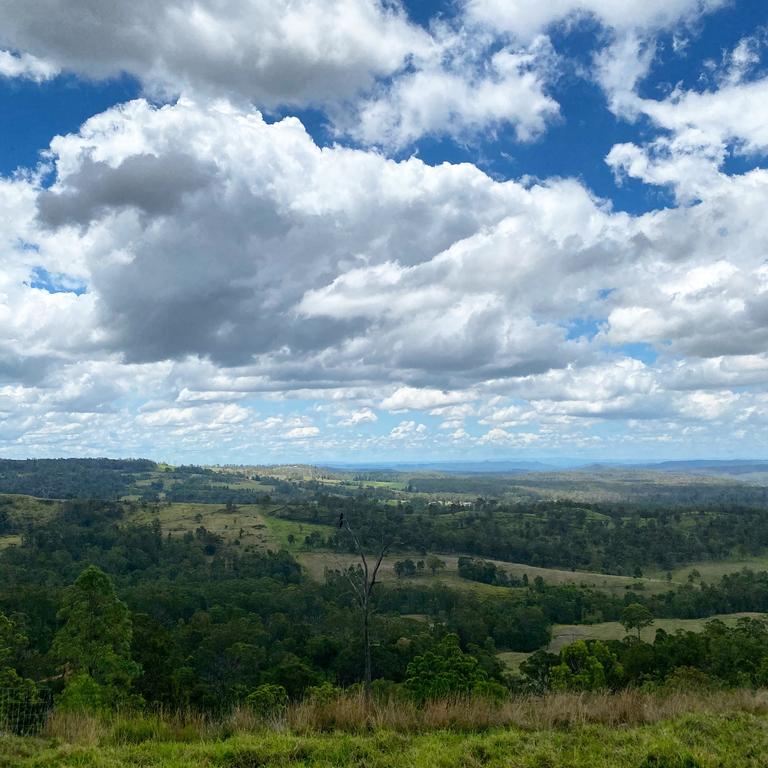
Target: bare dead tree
(364,590)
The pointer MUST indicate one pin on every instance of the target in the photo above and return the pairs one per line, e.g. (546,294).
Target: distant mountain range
(693,466)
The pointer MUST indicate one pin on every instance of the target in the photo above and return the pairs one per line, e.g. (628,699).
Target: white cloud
(526,18)
(461,99)
(701,127)
(408,430)
(26,66)
(414,398)
(302,432)
(362,416)
(255,264)
(271,52)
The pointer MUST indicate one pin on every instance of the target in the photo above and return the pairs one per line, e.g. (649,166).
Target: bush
(82,694)
(268,700)
(490,689)
(443,672)
(689,679)
(322,693)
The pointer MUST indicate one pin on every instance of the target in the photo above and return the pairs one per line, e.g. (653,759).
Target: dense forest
(106,602)
(609,538)
(197,622)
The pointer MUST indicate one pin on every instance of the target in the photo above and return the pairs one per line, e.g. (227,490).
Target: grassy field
(317,561)
(598,731)
(247,523)
(564,634)
(712,570)
(257,526)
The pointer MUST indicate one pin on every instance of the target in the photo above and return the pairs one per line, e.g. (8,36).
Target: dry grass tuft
(353,713)
(74,728)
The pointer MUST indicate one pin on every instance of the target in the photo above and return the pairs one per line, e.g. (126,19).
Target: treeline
(209,624)
(719,656)
(608,538)
(743,591)
(488,573)
(72,478)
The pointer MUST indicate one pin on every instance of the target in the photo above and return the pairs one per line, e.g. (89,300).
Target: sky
(270,231)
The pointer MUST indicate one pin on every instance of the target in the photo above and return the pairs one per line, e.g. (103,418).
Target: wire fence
(22,715)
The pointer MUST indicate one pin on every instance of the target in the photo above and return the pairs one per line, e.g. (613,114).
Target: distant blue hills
(702,466)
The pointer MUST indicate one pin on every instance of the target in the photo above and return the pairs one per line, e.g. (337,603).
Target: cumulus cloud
(459,93)
(26,66)
(421,398)
(361,416)
(195,257)
(424,273)
(271,52)
(526,18)
(408,430)
(302,432)
(699,128)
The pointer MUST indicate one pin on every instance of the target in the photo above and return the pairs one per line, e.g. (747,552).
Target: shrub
(689,679)
(444,672)
(268,700)
(322,693)
(82,694)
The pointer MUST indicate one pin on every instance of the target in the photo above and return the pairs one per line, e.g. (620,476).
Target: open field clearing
(251,524)
(256,525)
(246,523)
(563,634)
(711,570)
(317,561)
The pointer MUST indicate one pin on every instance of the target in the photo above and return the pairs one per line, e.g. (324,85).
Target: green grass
(563,634)
(736,740)
(713,570)
(22,508)
(253,525)
(178,518)
(280,529)
(13,540)
(318,560)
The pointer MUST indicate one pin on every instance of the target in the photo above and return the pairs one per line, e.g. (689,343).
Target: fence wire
(23,715)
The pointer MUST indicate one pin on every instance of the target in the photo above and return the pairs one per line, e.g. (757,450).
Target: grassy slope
(563,634)
(736,740)
(712,570)
(264,530)
(22,509)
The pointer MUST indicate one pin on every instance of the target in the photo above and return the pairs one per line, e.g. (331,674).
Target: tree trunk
(367,645)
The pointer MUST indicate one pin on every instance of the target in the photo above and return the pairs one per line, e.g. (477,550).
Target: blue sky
(351,230)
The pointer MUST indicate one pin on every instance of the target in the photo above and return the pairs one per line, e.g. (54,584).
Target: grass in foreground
(591,731)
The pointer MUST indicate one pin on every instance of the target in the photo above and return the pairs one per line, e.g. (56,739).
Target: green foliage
(267,700)
(444,672)
(586,666)
(435,564)
(323,693)
(689,679)
(636,616)
(16,692)
(95,642)
(83,694)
